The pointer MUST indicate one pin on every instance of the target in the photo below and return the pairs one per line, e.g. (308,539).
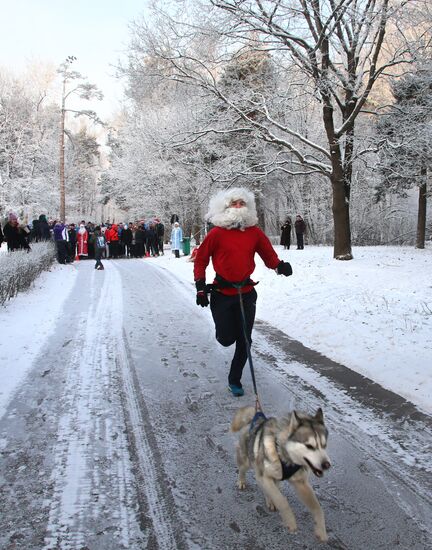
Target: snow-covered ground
(26,322)
(372,314)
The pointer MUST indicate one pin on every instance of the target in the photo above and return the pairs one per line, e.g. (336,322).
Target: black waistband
(223,283)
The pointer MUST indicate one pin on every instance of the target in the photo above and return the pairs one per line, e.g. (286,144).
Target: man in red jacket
(232,244)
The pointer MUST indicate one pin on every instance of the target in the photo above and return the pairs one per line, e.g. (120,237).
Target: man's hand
(284,268)
(201,297)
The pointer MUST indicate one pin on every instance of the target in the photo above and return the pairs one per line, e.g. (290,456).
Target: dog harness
(288,470)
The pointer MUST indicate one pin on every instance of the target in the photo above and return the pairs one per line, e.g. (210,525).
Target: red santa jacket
(232,252)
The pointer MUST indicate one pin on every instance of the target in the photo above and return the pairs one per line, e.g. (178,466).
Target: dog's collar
(258,416)
(288,470)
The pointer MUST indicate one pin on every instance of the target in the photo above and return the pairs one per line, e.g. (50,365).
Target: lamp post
(70,59)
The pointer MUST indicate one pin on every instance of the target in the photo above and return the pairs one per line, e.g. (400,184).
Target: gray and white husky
(286,448)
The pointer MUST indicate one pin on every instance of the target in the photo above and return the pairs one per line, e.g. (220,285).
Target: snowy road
(119,436)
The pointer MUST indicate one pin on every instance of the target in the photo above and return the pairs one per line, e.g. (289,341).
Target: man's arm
(269,256)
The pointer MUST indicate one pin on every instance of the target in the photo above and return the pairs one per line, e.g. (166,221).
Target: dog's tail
(242,418)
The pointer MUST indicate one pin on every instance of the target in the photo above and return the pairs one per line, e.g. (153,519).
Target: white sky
(94,31)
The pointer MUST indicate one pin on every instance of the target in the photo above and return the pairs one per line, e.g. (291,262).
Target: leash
(223,283)
(258,408)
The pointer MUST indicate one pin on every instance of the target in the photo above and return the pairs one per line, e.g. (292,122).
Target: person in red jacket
(231,244)
(112,238)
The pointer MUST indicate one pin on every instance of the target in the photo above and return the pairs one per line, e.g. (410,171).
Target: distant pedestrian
(286,234)
(300,228)
(14,234)
(126,239)
(112,237)
(44,232)
(72,241)
(99,247)
(82,241)
(176,239)
(140,240)
(160,230)
(61,238)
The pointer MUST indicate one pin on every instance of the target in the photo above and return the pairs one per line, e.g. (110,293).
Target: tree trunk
(341,220)
(421,216)
(196,233)
(62,159)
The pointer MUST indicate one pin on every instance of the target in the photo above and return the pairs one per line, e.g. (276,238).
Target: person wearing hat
(231,245)
(160,230)
(176,239)
(300,228)
(14,236)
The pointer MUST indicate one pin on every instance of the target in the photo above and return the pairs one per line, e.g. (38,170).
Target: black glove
(284,268)
(201,297)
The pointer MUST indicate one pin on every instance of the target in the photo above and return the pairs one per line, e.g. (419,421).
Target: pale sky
(94,31)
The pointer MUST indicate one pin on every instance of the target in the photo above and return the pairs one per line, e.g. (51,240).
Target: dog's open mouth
(316,471)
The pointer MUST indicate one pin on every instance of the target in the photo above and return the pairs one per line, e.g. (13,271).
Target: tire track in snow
(153,483)
(93,484)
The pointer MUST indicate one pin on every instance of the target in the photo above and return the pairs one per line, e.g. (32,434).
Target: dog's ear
(295,417)
(294,421)
(319,416)
(288,424)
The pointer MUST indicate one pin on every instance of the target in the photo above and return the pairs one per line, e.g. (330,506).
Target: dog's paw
(241,484)
(291,524)
(270,505)
(321,535)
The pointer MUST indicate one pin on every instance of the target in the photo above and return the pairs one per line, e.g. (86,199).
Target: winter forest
(321,107)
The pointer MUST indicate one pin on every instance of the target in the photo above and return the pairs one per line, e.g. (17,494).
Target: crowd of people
(79,241)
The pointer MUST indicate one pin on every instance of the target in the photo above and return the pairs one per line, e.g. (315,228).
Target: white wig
(221,215)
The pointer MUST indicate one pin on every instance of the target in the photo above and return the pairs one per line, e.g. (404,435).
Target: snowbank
(28,321)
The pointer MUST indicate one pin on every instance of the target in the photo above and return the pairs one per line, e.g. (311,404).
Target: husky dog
(286,448)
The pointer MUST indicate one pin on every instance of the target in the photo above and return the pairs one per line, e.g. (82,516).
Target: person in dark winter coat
(44,232)
(286,234)
(160,231)
(126,239)
(61,238)
(99,244)
(139,241)
(231,245)
(35,233)
(300,228)
(71,246)
(14,235)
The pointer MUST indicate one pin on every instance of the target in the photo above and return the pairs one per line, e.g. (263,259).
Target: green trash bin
(186,246)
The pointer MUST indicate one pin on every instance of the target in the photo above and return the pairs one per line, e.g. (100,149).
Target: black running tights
(229,329)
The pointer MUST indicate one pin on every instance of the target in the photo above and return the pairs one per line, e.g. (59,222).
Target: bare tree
(84,90)
(405,155)
(331,50)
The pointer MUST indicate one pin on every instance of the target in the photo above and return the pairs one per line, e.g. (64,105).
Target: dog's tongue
(316,471)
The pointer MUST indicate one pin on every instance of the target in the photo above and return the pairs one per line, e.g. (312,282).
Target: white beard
(221,215)
(235,218)
(82,230)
